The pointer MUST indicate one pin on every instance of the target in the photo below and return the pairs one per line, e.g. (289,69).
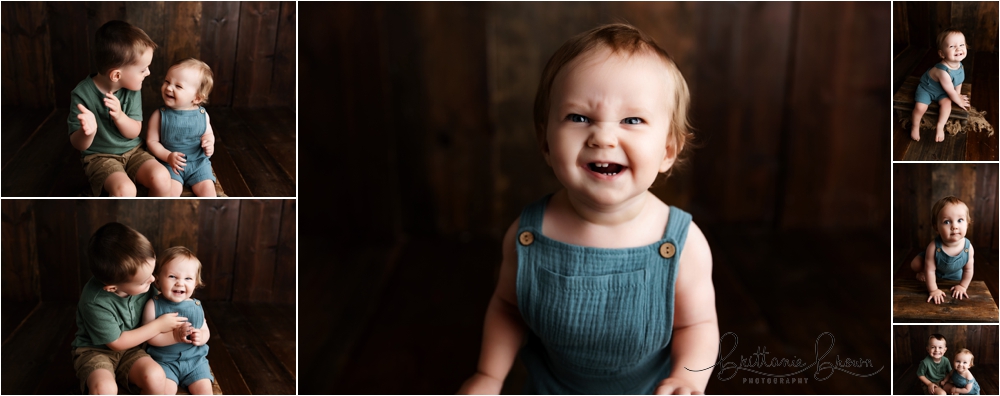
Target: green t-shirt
(935,372)
(102,316)
(108,139)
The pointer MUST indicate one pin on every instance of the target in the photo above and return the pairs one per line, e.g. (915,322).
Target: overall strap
(531,216)
(678,224)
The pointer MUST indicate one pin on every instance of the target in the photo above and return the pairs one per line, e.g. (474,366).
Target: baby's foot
(939,137)
(921,277)
(915,133)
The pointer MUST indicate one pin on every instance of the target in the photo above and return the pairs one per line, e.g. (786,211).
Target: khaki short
(99,166)
(86,360)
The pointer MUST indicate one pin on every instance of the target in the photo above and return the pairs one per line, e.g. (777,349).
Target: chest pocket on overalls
(593,321)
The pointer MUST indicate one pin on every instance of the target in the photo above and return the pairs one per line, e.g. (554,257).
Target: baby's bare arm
(954,92)
(503,330)
(696,326)
(162,339)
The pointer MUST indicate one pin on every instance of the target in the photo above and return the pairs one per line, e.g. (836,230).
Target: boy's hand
(937,295)
(114,105)
(208,143)
(176,161)
(958,291)
(87,121)
(197,337)
(675,386)
(168,322)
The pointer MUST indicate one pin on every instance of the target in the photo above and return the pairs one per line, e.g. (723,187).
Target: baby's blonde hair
(936,210)
(620,38)
(971,356)
(944,35)
(206,76)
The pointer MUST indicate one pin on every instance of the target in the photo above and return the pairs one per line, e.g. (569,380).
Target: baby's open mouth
(178,292)
(606,168)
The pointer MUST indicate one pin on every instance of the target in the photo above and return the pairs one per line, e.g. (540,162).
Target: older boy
(105,115)
(107,351)
(935,366)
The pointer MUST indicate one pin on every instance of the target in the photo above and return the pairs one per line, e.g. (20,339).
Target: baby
(604,288)
(183,352)
(942,83)
(961,381)
(180,134)
(950,255)
(934,368)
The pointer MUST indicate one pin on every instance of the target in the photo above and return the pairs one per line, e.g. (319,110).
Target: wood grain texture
(20,124)
(255,53)
(58,262)
(36,345)
(218,226)
(20,264)
(260,367)
(285,271)
(71,47)
(220,24)
(256,250)
(26,24)
(283,75)
(910,303)
(183,36)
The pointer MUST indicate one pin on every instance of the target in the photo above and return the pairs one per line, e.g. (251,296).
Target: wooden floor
(963,146)
(403,318)
(986,265)
(254,153)
(252,349)
(905,381)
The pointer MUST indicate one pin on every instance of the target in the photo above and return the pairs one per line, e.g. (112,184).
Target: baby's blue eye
(632,121)
(961,220)
(577,118)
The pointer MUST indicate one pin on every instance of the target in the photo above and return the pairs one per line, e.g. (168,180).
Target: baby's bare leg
(942,118)
(176,188)
(204,188)
(170,387)
(102,382)
(918,112)
(917,265)
(148,376)
(201,387)
(119,185)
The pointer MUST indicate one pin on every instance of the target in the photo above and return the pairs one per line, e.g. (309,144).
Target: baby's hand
(208,143)
(87,121)
(169,322)
(965,102)
(197,337)
(958,291)
(176,161)
(675,386)
(181,333)
(114,105)
(937,295)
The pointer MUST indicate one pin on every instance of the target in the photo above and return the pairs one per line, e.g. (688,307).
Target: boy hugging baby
(105,120)
(116,318)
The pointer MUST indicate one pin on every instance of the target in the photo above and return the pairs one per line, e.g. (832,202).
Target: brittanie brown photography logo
(762,367)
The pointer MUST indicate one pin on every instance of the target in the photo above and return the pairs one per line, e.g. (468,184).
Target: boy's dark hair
(116,252)
(936,336)
(118,44)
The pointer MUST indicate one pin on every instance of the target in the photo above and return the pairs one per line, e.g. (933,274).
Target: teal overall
(961,382)
(599,320)
(181,131)
(929,90)
(949,267)
(183,363)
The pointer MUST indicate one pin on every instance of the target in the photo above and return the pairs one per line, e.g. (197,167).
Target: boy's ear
(115,75)
(110,288)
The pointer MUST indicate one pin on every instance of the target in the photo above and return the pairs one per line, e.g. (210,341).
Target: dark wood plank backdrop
(917,23)
(247,247)
(249,45)
(910,342)
(432,108)
(918,186)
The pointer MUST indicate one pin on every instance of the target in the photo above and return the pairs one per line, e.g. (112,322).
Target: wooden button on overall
(966,250)
(526,238)
(667,250)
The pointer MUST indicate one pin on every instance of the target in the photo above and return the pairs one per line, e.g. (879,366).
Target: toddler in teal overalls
(180,134)
(950,255)
(942,83)
(604,288)
(183,353)
(961,381)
